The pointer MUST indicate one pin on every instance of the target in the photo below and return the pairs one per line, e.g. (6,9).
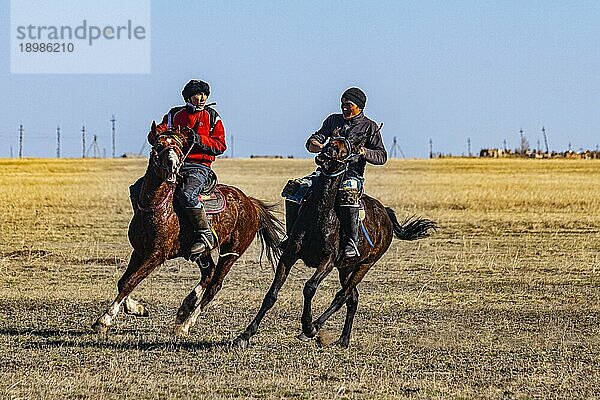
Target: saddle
(214,202)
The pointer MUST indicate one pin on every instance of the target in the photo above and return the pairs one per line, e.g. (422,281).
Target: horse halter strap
(176,146)
(344,161)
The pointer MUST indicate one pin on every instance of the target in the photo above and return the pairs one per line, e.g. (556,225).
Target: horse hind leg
(136,271)
(200,296)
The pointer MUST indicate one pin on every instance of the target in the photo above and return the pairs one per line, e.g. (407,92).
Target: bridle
(345,161)
(174,143)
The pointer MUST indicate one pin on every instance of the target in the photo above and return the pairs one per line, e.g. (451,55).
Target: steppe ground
(503,302)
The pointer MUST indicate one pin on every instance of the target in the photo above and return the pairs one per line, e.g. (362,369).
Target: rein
(340,172)
(345,161)
(154,159)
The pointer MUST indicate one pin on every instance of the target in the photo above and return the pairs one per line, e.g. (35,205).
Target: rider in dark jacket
(357,128)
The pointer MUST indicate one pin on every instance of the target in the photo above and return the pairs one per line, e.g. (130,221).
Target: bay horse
(157,233)
(315,239)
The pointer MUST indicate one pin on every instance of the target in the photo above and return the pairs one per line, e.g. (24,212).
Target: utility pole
(504,143)
(58,142)
(396,147)
(469,146)
(232,147)
(521,136)
(94,147)
(83,139)
(113,120)
(430,148)
(20,141)
(11,152)
(545,139)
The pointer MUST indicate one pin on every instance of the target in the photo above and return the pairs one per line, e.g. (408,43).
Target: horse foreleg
(310,288)
(200,296)
(283,269)
(136,271)
(342,296)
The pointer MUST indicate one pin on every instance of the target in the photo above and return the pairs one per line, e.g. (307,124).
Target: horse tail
(270,230)
(412,228)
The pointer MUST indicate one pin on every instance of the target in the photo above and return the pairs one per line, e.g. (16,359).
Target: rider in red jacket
(209,142)
(202,119)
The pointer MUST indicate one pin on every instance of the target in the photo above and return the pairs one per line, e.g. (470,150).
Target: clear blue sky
(445,70)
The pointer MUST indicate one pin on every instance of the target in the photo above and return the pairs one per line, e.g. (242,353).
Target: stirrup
(351,249)
(202,245)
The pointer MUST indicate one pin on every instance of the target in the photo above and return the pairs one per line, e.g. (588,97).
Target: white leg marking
(184,327)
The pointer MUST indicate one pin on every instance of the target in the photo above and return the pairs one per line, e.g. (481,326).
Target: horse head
(335,155)
(167,155)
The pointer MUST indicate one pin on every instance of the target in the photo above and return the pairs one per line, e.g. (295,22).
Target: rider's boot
(204,240)
(349,222)
(291,213)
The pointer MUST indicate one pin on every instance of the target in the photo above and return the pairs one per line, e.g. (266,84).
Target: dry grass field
(502,303)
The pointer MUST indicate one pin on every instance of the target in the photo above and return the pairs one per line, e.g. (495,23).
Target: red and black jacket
(206,124)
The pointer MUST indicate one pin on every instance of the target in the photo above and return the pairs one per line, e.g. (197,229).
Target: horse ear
(153,127)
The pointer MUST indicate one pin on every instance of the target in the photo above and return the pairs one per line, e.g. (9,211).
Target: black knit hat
(356,96)
(194,87)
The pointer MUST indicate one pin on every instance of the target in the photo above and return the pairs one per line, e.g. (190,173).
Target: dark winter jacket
(355,130)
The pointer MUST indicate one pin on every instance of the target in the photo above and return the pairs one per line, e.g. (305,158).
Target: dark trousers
(196,179)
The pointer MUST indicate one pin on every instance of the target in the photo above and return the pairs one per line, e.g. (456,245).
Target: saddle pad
(213,203)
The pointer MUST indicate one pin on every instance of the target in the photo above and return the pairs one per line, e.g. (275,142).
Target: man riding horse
(208,142)
(353,125)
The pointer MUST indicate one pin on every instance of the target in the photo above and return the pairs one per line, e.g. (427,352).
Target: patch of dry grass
(503,302)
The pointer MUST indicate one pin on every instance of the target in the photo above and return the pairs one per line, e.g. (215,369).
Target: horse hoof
(341,343)
(100,328)
(180,331)
(138,311)
(303,338)
(325,338)
(240,343)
